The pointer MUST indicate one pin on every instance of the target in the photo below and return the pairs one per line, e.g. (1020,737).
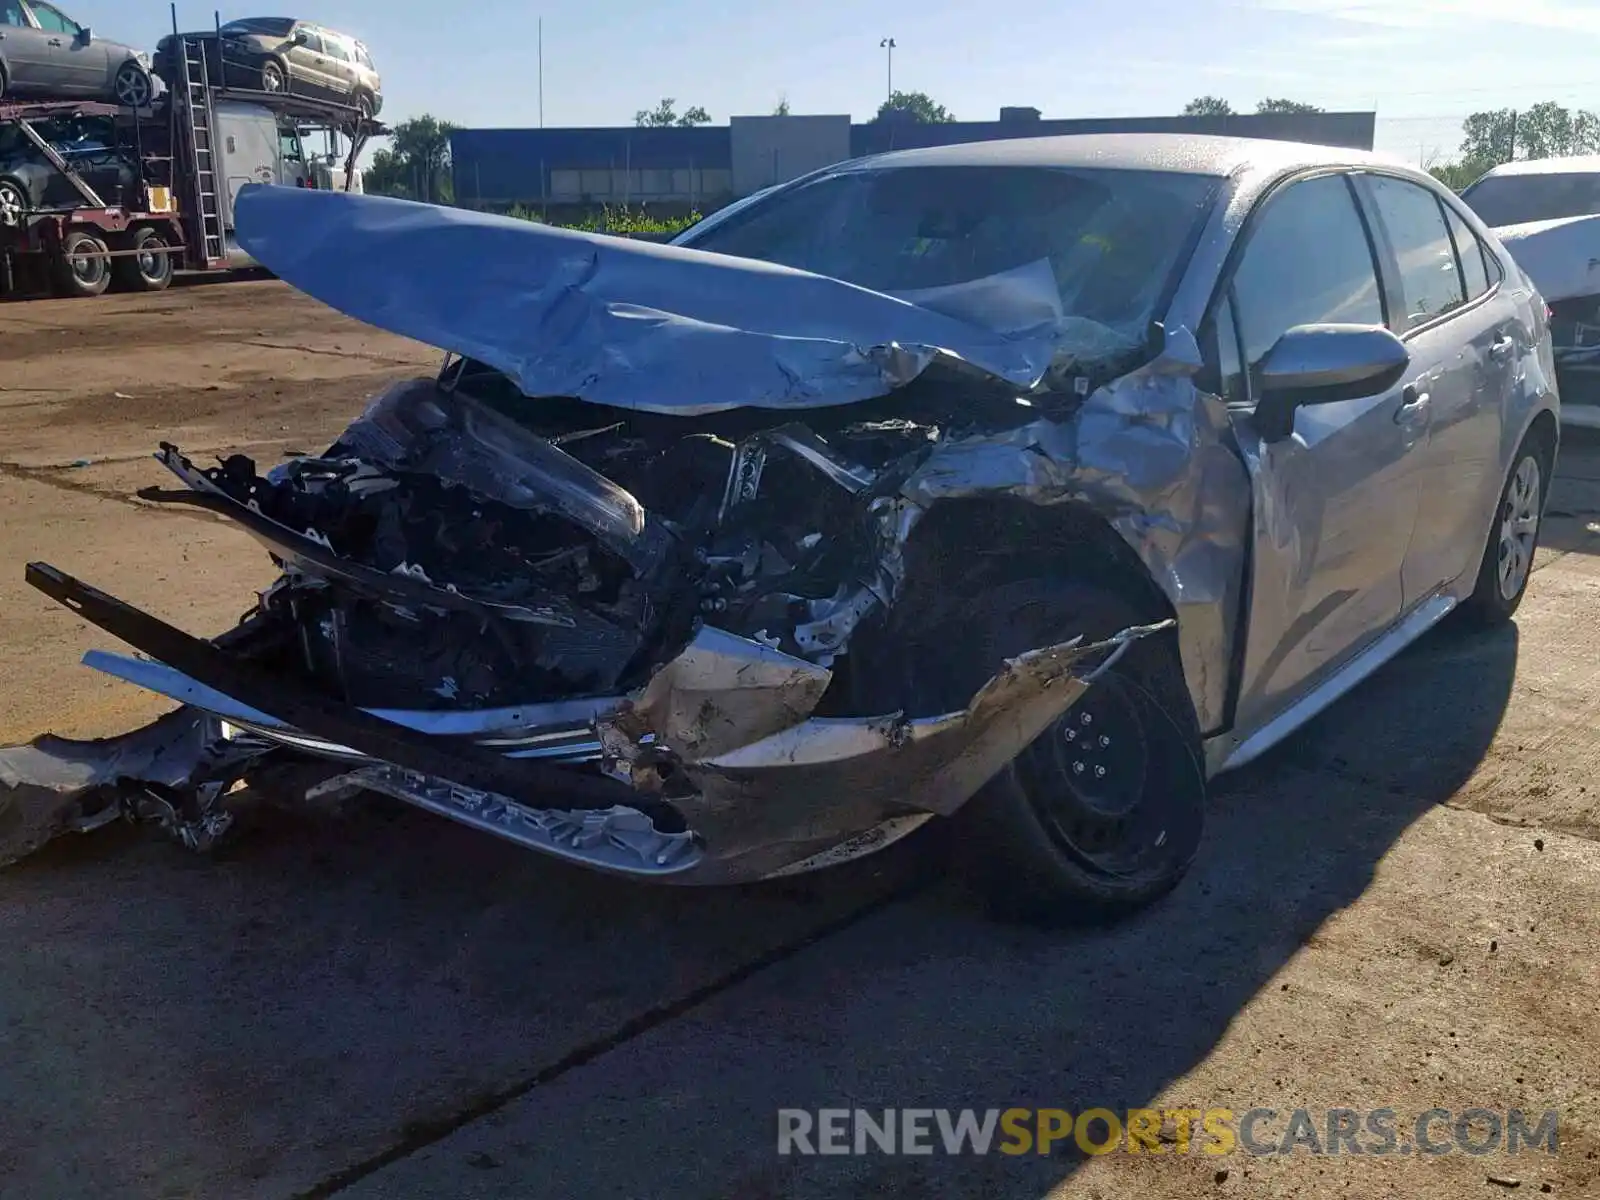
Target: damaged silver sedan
(1027,484)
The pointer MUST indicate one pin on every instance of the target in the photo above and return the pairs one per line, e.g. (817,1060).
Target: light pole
(888,45)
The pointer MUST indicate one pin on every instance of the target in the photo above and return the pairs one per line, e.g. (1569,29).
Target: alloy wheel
(132,86)
(12,204)
(1519,527)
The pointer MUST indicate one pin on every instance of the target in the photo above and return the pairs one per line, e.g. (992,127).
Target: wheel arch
(1547,430)
(964,546)
(1013,538)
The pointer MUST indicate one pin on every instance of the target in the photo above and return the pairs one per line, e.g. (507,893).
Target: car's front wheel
(1103,812)
(1507,563)
(132,87)
(273,76)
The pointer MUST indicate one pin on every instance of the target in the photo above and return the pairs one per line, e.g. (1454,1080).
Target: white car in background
(1547,214)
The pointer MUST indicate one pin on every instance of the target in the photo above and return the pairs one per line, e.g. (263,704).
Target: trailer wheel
(149,270)
(80,268)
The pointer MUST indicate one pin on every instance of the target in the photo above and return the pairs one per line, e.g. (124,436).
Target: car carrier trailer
(179,215)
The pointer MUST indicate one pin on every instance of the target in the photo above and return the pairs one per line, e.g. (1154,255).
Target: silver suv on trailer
(285,54)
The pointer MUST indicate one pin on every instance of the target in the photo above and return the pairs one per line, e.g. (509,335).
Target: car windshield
(272,26)
(1112,240)
(1517,199)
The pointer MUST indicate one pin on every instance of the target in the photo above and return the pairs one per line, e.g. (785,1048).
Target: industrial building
(677,170)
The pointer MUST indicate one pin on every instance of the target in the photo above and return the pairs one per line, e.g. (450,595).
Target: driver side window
(52,21)
(1308,260)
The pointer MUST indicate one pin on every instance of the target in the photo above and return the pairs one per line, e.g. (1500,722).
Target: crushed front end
(617,637)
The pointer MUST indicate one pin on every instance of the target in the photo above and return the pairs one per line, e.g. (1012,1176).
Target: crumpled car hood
(1562,256)
(618,321)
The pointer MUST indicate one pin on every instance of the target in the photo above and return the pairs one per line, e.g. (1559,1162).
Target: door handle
(53,42)
(1412,404)
(1502,347)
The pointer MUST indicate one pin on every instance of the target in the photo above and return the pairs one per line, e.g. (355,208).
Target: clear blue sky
(1422,63)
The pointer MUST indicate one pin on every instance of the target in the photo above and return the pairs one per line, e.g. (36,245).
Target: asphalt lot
(1399,908)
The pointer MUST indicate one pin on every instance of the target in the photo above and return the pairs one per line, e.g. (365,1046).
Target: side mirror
(86,35)
(301,38)
(1322,364)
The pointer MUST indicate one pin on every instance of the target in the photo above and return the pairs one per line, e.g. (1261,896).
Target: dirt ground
(1398,909)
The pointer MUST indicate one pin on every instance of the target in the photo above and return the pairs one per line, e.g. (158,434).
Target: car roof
(1576,164)
(1190,154)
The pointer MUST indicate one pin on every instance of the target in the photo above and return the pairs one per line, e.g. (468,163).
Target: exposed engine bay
(577,547)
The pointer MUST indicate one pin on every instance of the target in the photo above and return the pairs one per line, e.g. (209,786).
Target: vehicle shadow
(930,1005)
(338,989)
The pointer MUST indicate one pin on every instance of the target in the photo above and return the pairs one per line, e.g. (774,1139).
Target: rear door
(26,49)
(340,64)
(1464,337)
(1335,501)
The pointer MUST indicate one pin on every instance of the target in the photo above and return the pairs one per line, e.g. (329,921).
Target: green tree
(1489,137)
(416,165)
(1286,106)
(666,114)
(1497,135)
(914,106)
(1457,175)
(782,109)
(1548,130)
(1208,106)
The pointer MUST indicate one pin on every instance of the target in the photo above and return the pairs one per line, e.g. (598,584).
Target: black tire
(77,276)
(1046,841)
(148,271)
(365,105)
(14,201)
(1507,563)
(132,86)
(274,78)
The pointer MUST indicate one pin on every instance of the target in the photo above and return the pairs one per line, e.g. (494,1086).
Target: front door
(1335,501)
(308,61)
(78,67)
(1465,339)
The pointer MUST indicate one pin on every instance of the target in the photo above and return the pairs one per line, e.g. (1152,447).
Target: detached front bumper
(714,772)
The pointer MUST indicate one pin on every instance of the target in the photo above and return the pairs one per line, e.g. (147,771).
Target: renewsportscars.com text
(1213,1131)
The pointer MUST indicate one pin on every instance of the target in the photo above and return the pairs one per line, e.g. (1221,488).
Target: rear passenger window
(1415,223)
(1308,261)
(1474,271)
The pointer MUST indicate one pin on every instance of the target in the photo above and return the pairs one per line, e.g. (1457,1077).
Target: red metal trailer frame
(59,248)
